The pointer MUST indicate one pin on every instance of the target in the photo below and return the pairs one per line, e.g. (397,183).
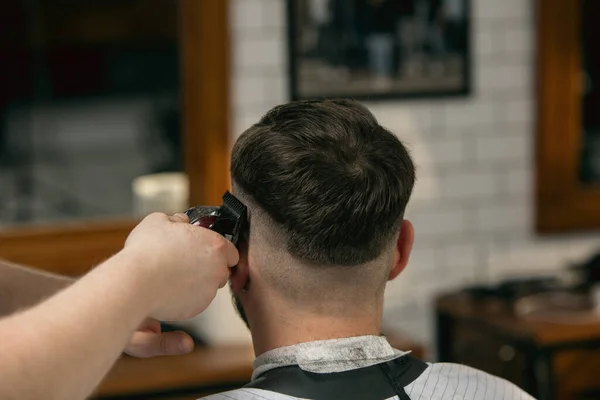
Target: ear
(404,245)
(240,274)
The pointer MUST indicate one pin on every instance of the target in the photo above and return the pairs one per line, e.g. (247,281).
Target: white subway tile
(422,259)
(430,153)
(240,38)
(497,260)
(250,90)
(397,293)
(427,186)
(244,120)
(254,52)
(418,326)
(519,41)
(441,221)
(428,289)
(504,9)
(408,121)
(523,130)
(500,147)
(460,256)
(517,93)
(468,185)
(420,269)
(407,287)
(463,115)
(520,111)
(451,150)
(277,89)
(540,255)
(437,116)
(247,14)
(520,182)
(400,308)
(425,116)
(274,13)
(489,78)
(498,217)
(485,41)
(451,279)
(411,124)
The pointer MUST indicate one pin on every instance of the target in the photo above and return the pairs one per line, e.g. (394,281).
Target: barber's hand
(183,265)
(149,341)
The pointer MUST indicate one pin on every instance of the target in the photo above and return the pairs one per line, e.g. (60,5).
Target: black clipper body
(229,220)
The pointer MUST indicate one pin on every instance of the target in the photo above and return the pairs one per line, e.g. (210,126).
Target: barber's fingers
(231,253)
(146,344)
(179,217)
(222,247)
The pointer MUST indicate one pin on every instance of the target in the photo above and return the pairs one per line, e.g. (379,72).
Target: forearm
(62,348)
(22,287)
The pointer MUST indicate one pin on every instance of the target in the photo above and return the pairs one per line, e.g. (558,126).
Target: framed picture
(379,49)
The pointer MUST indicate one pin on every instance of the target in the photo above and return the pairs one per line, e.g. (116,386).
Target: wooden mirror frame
(74,248)
(563,202)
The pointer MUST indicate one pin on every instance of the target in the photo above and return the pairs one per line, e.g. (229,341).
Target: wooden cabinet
(550,360)
(489,352)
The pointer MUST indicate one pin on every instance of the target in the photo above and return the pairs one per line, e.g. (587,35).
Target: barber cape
(364,367)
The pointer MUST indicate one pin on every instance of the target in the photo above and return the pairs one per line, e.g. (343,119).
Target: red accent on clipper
(229,220)
(206,222)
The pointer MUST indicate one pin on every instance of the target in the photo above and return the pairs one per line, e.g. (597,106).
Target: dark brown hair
(328,173)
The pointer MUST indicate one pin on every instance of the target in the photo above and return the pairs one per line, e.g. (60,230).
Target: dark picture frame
(408,53)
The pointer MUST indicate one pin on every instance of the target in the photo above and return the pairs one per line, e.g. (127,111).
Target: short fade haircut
(326,172)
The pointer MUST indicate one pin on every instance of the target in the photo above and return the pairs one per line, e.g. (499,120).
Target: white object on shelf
(165,192)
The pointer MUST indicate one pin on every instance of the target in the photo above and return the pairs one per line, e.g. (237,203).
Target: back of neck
(280,330)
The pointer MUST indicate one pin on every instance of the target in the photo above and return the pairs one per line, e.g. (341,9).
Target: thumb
(146,344)
(179,217)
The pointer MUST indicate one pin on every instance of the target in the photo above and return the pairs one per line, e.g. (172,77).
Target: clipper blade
(228,220)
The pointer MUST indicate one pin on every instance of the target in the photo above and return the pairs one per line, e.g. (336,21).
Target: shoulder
(445,381)
(249,394)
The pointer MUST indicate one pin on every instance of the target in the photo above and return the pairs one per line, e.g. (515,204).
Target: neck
(274,328)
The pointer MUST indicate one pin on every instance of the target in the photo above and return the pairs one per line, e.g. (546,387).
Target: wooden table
(204,371)
(496,315)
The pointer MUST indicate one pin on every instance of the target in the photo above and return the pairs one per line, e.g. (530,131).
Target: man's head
(326,187)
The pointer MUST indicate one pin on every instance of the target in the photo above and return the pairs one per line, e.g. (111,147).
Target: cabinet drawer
(480,349)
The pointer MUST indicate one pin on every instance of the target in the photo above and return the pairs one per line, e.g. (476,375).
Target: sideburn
(237,303)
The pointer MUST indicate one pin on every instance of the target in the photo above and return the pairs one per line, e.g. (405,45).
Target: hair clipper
(228,220)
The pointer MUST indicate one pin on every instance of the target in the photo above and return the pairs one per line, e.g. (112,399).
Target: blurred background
(85,109)
(101,102)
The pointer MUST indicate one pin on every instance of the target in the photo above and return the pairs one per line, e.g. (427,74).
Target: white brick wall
(473,205)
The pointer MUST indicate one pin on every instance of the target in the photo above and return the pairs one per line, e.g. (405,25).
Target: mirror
(568,123)
(72,245)
(590,107)
(90,103)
